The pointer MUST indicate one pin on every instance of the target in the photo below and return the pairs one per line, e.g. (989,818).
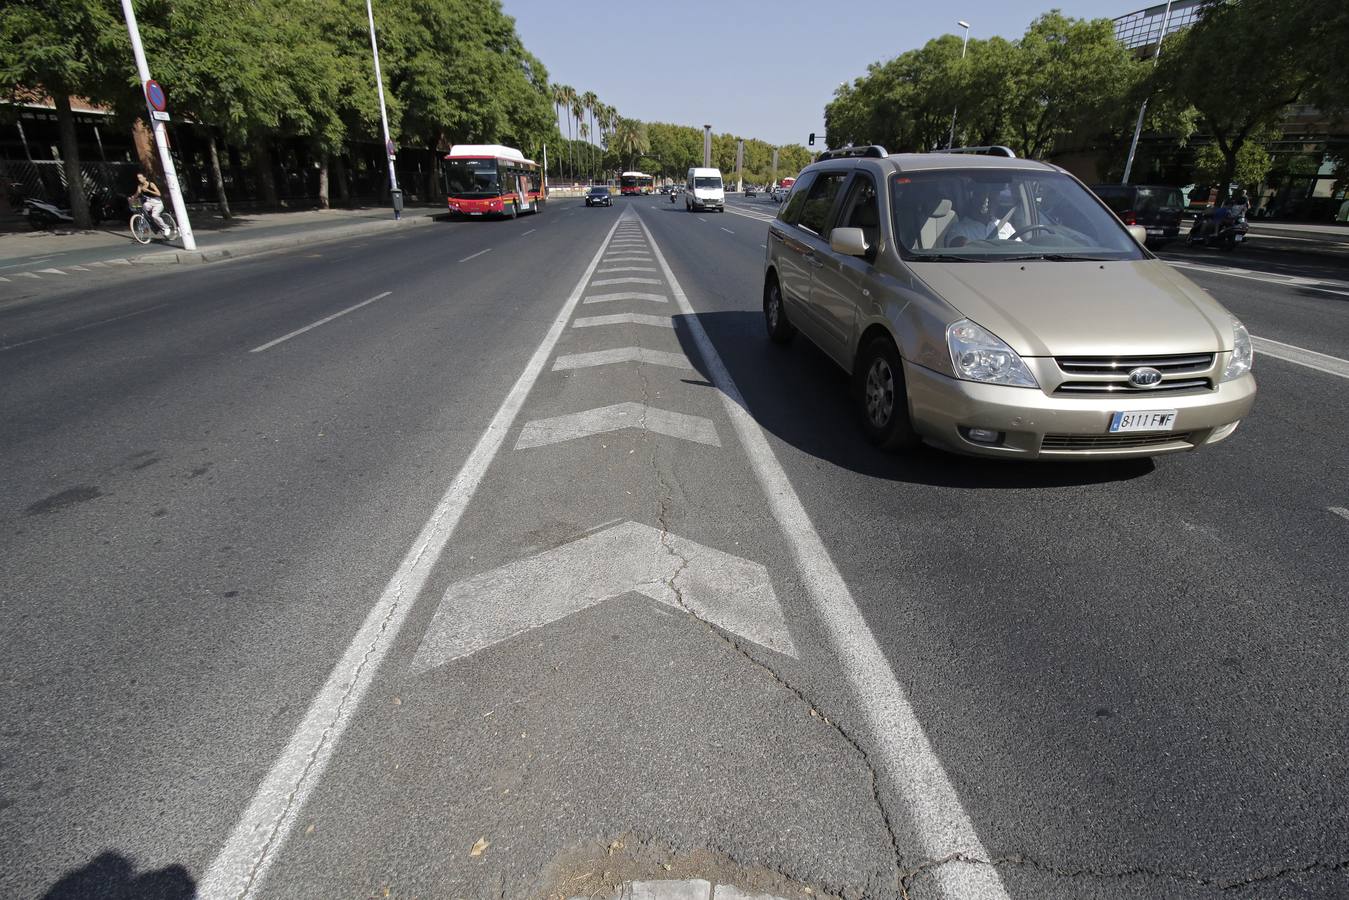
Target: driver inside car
(977,218)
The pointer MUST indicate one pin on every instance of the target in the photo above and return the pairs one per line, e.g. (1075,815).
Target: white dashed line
(530,231)
(727,230)
(1339,511)
(476,255)
(325,320)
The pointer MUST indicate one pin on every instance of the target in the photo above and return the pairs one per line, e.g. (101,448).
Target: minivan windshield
(707,181)
(989,215)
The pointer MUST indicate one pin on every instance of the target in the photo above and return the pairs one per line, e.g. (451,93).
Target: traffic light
(811,142)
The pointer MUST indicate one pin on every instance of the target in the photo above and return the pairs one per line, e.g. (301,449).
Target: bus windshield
(472,178)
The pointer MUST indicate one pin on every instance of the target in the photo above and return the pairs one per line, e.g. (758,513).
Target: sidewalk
(30,253)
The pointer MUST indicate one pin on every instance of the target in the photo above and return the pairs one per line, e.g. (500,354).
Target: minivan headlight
(1242,352)
(979,355)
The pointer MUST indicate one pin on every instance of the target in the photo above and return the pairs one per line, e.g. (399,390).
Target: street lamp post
(160,133)
(383,117)
(1138,126)
(951,139)
(707,146)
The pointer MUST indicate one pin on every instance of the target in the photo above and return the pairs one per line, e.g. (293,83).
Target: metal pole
(543,191)
(739,166)
(383,113)
(707,146)
(1138,126)
(775,167)
(951,138)
(161,138)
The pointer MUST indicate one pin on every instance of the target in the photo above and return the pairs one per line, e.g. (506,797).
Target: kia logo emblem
(1144,377)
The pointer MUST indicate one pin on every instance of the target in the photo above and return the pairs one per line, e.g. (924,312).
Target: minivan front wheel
(882,398)
(780,331)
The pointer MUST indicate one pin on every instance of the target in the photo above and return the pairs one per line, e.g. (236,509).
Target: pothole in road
(630,868)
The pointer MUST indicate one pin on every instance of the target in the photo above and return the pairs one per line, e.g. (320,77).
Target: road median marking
(898,744)
(618,417)
(476,255)
(606,282)
(626,295)
(1321,362)
(262,830)
(623,319)
(727,591)
(324,321)
(1339,511)
(621,355)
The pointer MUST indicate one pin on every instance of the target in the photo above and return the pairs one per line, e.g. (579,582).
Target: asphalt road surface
(509,559)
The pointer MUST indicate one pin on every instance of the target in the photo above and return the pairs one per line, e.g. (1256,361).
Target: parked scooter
(42,214)
(1223,228)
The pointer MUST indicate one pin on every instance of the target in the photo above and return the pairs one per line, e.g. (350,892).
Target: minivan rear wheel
(780,330)
(882,397)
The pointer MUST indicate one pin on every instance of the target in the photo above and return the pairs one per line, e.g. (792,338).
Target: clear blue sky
(757,70)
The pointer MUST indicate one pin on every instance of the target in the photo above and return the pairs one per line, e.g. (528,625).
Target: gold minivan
(994,306)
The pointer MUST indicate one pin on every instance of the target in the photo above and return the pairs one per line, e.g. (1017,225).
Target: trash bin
(397,195)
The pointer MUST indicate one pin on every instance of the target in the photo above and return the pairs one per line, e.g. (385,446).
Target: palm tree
(590,101)
(607,116)
(559,95)
(568,94)
(630,140)
(584,133)
(577,108)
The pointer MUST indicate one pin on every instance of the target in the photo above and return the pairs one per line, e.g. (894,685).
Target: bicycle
(143,227)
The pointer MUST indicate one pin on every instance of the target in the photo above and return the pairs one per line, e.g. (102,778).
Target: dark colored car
(1157,208)
(749,190)
(599,196)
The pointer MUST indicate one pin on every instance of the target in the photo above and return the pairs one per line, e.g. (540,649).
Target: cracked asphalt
(1133,675)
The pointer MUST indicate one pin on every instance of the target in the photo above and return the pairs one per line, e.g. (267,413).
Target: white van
(705,190)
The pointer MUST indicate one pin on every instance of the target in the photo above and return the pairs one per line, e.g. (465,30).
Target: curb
(259,246)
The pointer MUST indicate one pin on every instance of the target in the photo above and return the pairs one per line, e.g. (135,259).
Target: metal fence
(45,179)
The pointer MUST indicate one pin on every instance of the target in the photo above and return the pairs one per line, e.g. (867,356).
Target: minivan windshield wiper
(1058,257)
(951,257)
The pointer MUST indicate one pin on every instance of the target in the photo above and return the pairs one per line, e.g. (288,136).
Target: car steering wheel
(1028,229)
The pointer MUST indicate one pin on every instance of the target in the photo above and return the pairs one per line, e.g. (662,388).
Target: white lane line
(727,230)
(476,255)
(324,321)
(574,426)
(530,231)
(98,265)
(622,355)
(51,271)
(626,269)
(628,256)
(626,295)
(1339,511)
(758,217)
(763,246)
(900,746)
(262,830)
(1311,284)
(700,219)
(1321,362)
(27,275)
(78,269)
(623,319)
(603,282)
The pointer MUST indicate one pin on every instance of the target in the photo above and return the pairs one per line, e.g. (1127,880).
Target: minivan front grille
(1110,374)
(1183,364)
(1110,441)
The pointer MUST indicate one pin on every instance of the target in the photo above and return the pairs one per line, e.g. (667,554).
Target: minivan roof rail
(872,151)
(991,150)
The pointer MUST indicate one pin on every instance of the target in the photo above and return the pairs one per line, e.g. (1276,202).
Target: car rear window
(1150,199)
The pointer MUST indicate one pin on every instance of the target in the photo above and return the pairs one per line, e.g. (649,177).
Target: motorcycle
(672,196)
(42,214)
(1223,228)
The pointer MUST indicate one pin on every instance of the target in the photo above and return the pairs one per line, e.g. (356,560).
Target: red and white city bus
(489,179)
(635,183)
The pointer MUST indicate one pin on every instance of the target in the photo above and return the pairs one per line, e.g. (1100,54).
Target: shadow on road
(799,395)
(111,876)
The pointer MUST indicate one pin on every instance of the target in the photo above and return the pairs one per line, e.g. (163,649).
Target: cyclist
(151,202)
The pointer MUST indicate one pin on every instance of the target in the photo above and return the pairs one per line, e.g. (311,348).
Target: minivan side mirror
(848,241)
(1139,233)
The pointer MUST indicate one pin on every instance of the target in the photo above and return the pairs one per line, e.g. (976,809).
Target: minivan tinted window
(820,200)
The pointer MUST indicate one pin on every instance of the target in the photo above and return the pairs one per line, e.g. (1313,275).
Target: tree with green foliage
(1240,66)
(64,48)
